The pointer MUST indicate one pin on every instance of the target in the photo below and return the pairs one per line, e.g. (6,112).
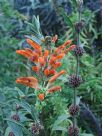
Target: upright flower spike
(45,64)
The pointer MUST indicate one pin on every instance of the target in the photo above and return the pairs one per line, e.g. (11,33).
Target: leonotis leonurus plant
(45,59)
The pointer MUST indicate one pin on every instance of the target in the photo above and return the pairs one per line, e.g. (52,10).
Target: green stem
(77,69)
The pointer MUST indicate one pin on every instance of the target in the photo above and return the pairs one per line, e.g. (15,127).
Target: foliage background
(13,27)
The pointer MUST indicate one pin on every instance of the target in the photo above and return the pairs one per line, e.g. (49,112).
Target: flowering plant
(46,61)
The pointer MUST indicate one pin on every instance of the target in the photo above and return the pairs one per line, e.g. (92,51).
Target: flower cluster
(46,61)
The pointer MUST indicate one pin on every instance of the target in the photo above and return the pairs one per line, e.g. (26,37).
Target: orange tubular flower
(46,72)
(35,69)
(56,65)
(34,57)
(61,47)
(70,48)
(35,45)
(41,96)
(28,81)
(46,53)
(67,43)
(60,56)
(52,71)
(52,60)
(42,61)
(56,76)
(29,50)
(24,53)
(53,89)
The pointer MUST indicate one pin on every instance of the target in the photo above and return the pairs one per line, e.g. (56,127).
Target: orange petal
(42,61)
(46,53)
(29,50)
(41,96)
(34,57)
(60,56)
(35,45)
(70,48)
(67,43)
(35,68)
(24,53)
(28,81)
(46,72)
(52,72)
(56,65)
(61,47)
(53,89)
(56,76)
(52,60)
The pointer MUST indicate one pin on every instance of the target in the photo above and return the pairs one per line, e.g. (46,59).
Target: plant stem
(74,101)
(77,67)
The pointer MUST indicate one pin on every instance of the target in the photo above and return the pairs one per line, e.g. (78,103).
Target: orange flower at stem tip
(41,96)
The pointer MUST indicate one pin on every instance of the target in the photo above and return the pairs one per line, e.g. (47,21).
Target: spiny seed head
(75,80)
(35,128)
(73,131)
(74,109)
(15,117)
(11,134)
(78,51)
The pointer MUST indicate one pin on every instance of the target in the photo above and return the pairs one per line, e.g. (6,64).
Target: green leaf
(26,106)
(67,19)
(34,113)
(7,131)
(59,128)
(17,130)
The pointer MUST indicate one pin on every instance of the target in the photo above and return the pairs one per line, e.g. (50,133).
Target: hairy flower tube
(45,63)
